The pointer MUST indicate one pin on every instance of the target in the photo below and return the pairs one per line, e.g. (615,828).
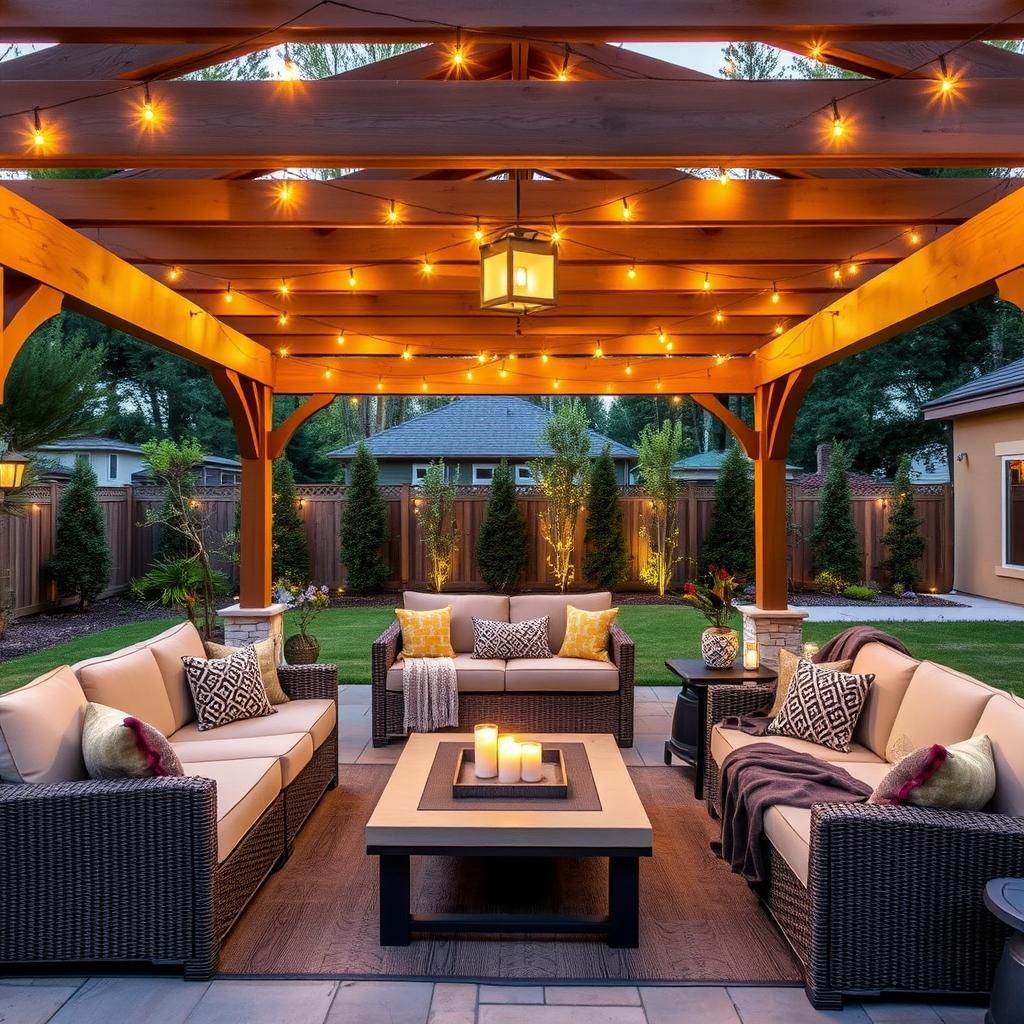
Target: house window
(483,474)
(1013,514)
(524,478)
(419,472)
(112,466)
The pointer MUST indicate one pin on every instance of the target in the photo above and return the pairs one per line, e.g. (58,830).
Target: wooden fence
(27,541)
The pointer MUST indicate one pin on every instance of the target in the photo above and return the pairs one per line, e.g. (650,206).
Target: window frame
(1004,514)
(524,467)
(492,466)
(424,466)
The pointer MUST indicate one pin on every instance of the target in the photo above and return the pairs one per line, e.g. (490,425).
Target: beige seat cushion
(475,675)
(169,648)
(41,730)
(1003,722)
(893,672)
(130,681)
(294,750)
(725,741)
(317,717)
(560,675)
(464,607)
(940,706)
(535,606)
(245,789)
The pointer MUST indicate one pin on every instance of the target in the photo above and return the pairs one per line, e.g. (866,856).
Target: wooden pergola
(678,274)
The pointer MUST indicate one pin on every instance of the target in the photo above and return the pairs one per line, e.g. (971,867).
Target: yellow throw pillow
(586,634)
(788,662)
(426,634)
(266,653)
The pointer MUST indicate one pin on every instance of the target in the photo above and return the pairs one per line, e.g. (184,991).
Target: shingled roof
(478,427)
(1004,386)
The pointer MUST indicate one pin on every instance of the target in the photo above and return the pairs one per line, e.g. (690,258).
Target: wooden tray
(554,785)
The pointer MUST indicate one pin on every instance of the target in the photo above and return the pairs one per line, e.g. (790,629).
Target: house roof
(930,468)
(478,427)
(1001,383)
(707,460)
(94,442)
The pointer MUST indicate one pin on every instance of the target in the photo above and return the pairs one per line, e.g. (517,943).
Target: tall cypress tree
(903,538)
(290,553)
(501,543)
(81,562)
(834,539)
(364,527)
(605,563)
(730,538)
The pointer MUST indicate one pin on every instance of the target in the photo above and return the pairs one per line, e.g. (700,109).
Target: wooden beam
(762,124)
(1011,287)
(959,268)
(25,306)
(590,20)
(687,203)
(283,433)
(94,281)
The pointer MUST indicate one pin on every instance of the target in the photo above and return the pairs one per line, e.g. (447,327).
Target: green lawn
(992,651)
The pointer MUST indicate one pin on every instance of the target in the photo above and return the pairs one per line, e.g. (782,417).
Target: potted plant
(719,644)
(309,602)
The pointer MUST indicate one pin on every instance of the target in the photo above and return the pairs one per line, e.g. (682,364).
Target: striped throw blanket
(431,691)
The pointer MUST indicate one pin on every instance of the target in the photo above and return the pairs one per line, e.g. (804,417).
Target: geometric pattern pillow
(586,634)
(227,689)
(788,662)
(266,652)
(507,640)
(822,706)
(426,634)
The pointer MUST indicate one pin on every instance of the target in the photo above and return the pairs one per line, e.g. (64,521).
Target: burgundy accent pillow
(118,746)
(909,774)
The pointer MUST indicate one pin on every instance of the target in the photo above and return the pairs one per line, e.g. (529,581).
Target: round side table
(1004,897)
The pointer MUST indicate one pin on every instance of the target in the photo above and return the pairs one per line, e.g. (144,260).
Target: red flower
(723,574)
(689,589)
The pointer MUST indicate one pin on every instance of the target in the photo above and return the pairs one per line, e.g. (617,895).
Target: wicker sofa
(889,899)
(526,694)
(152,870)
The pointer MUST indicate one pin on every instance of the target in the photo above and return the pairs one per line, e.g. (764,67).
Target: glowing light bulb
(327,374)
(544,357)
(283,319)
(631,273)
(503,373)
(229,295)
(426,267)
(563,74)
(341,337)
(478,232)
(719,316)
(457,55)
(669,346)
(38,132)
(353,400)
(662,336)
(915,236)
(284,192)
(380,384)
(556,383)
(815,51)
(423,384)
(392,214)
(676,400)
(173,273)
(283,352)
(838,124)
(556,235)
(947,82)
(776,297)
(853,269)
(627,212)
(406,353)
(289,69)
(351,278)
(629,369)
(719,359)
(779,329)
(283,288)
(481,357)
(599,351)
(707,281)
(723,176)
(659,384)
(148,110)
(837,274)
(469,375)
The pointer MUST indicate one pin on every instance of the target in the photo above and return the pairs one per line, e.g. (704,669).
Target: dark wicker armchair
(127,871)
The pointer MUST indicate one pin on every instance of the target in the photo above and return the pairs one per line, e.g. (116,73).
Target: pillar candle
(485,751)
(810,650)
(751,657)
(531,755)
(509,759)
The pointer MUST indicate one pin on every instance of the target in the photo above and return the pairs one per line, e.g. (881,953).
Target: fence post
(405,528)
(52,594)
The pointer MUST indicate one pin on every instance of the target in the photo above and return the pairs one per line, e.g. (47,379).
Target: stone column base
(243,626)
(773,631)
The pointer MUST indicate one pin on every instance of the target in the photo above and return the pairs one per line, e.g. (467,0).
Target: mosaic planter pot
(719,647)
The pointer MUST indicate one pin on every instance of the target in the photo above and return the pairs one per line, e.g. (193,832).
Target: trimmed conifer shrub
(501,543)
(730,538)
(81,562)
(605,563)
(834,539)
(364,527)
(290,553)
(903,537)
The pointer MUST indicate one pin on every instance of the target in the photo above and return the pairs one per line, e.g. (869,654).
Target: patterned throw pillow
(788,662)
(822,706)
(266,654)
(118,746)
(426,634)
(528,639)
(227,689)
(961,776)
(586,634)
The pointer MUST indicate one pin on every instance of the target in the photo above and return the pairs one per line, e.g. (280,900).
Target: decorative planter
(301,650)
(719,647)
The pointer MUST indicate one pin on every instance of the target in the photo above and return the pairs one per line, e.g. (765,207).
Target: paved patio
(976,609)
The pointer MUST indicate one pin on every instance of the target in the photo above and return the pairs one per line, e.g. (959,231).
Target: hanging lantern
(518,273)
(12,470)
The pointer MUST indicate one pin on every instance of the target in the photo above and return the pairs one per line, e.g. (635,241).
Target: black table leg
(699,760)
(624,902)
(394,900)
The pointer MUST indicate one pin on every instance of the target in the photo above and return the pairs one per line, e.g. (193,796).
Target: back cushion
(464,607)
(1002,722)
(534,606)
(892,671)
(41,730)
(940,706)
(130,681)
(169,648)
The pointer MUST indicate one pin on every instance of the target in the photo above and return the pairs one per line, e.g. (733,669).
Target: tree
(501,543)
(435,513)
(290,554)
(605,563)
(563,480)
(659,451)
(751,61)
(179,518)
(364,527)
(81,562)
(834,538)
(903,538)
(730,538)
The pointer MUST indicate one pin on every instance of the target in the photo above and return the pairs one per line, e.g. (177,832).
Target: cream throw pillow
(586,634)
(266,653)
(966,781)
(788,662)
(426,634)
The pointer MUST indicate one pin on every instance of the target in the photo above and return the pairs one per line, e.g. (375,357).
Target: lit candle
(531,756)
(485,751)
(751,659)
(810,650)
(509,759)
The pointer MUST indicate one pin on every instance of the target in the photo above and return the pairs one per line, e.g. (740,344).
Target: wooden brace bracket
(283,433)
(26,305)
(746,436)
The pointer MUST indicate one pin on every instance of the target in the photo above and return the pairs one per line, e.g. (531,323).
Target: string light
(563,74)
(458,56)
(676,400)
(723,176)
(915,236)
(707,281)
(426,267)
(815,51)
(341,337)
(544,357)
(503,373)
(662,336)
(423,384)
(392,214)
(627,212)
(556,235)
(353,400)
(669,346)
(556,383)
(631,273)
(599,351)
(148,110)
(282,320)
(469,375)
(351,278)
(327,374)
(719,316)
(659,384)
(380,384)
(481,358)
(283,287)
(629,369)
(283,352)
(776,297)
(229,295)
(173,273)
(853,269)
(719,359)
(38,133)
(947,82)
(837,273)
(478,232)
(284,192)
(779,329)
(406,353)
(838,124)
(289,69)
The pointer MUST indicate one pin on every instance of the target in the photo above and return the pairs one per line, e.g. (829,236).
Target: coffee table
(620,831)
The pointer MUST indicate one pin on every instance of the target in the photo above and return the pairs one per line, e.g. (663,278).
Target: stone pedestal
(773,630)
(244,626)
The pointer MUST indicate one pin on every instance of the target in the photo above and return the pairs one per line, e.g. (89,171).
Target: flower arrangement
(714,599)
(309,601)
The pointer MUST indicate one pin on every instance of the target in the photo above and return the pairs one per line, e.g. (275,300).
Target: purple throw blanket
(755,778)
